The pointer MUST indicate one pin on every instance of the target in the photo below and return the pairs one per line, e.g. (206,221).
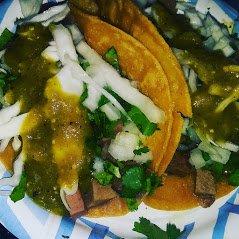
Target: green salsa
(217,84)
(55,128)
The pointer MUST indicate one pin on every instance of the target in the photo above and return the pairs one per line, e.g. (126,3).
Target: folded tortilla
(126,16)
(139,65)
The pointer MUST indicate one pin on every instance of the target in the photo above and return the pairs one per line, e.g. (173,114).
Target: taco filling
(99,112)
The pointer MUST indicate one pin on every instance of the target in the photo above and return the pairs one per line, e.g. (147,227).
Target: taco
(127,16)
(93,129)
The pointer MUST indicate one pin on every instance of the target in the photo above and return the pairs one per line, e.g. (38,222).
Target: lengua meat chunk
(100,194)
(76,204)
(205,187)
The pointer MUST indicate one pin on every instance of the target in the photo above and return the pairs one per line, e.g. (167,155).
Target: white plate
(26,220)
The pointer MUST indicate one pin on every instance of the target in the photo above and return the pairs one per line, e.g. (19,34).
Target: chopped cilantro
(144,125)
(111,57)
(152,231)
(173,232)
(152,182)
(101,125)
(85,93)
(103,178)
(5,38)
(206,156)
(18,192)
(111,168)
(133,182)
(132,204)
(103,100)
(234,178)
(142,150)
(84,64)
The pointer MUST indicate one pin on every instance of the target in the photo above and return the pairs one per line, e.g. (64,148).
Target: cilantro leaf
(234,178)
(84,64)
(173,232)
(103,100)
(133,182)
(111,168)
(101,125)
(111,57)
(146,127)
(18,192)
(149,229)
(152,182)
(85,93)
(103,178)
(152,231)
(142,150)
(132,204)
(5,38)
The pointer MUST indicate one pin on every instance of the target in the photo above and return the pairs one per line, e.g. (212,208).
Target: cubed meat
(205,187)
(76,204)
(100,194)
(179,166)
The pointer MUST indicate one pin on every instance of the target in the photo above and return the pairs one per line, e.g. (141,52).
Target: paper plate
(26,220)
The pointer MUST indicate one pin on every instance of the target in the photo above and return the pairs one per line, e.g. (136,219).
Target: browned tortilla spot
(139,65)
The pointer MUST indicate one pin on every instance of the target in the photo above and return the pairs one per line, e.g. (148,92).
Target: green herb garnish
(133,182)
(132,204)
(5,38)
(142,150)
(84,64)
(103,178)
(144,125)
(85,93)
(111,168)
(18,192)
(111,57)
(152,231)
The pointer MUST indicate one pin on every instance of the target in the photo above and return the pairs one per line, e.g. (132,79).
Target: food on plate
(99,112)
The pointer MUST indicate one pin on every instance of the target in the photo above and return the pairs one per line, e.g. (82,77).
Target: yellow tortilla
(126,16)
(139,65)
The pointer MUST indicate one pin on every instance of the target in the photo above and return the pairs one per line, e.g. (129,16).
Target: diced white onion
(119,85)
(122,147)
(111,112)
(9,112)
(192,81)
(143,158)
(196,158)
(78,73)
(131,128)
(185,126)
(51,54)
(68,83)
(77,36)
(217,154)
(64,43)
(57,18)
(94,95)
(17,169)
(98,165)
(12,128)
(16,143)
(228,51)
(48,14)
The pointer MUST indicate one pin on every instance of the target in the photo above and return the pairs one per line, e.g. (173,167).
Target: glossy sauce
(54,132)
